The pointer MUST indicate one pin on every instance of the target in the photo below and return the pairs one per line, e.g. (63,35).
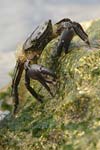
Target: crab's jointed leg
(30,89)
(68,34)
(65,40)
(80,32)
(38,72)
(15,82)
(43,82)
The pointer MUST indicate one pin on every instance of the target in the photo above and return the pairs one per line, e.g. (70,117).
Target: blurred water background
(18,18)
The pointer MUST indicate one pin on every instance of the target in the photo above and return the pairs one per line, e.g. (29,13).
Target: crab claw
(80,32)
(39,73)
(46,71)
(65,40)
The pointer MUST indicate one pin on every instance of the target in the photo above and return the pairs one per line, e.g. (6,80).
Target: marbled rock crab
(32,49)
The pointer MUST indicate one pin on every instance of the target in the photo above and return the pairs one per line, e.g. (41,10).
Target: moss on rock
(70,120)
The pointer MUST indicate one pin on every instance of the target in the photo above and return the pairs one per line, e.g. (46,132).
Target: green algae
(71,119)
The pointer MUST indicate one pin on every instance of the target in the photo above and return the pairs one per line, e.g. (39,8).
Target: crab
(32,49)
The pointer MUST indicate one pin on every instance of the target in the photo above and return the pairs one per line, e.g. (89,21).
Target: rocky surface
(70,120)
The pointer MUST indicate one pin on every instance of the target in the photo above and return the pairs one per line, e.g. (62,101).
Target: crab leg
(30,89)
(68,34)
(65,40)
(15,81)
(43,82)
(80,32)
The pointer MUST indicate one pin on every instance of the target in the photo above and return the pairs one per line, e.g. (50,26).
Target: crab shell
(39,38)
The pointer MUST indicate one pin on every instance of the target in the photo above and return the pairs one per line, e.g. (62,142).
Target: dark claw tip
(14,111)
(87,42)
(40,100)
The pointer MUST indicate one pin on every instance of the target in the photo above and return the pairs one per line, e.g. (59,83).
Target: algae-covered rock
(71,119)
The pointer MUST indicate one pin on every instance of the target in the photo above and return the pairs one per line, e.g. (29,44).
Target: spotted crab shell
(39,38)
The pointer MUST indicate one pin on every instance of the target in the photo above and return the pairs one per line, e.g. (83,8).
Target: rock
(70,120)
